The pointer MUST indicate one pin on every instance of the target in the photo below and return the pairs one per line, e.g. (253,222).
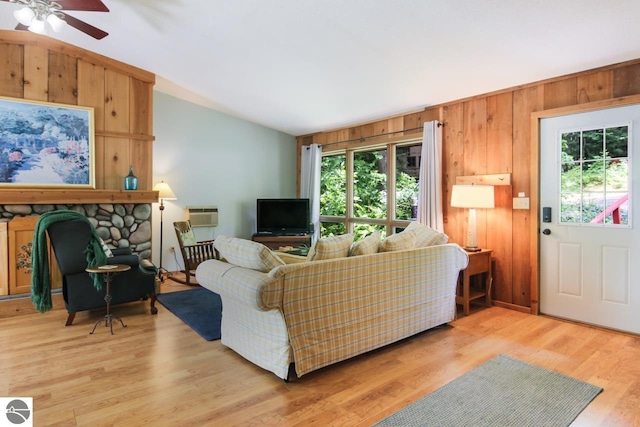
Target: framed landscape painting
(46,145)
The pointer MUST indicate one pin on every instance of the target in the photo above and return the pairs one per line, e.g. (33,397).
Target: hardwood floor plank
(157,371)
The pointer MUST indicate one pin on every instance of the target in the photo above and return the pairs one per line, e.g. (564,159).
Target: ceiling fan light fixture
(43,16)
(56,22)
(25,15)
(37,26)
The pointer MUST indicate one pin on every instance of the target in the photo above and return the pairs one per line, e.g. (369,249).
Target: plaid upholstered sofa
(321,311)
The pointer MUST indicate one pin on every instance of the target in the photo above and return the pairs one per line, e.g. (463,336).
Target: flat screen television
(282,216)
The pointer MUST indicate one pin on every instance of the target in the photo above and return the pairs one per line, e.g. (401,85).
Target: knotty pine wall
(489,134)
(39,68)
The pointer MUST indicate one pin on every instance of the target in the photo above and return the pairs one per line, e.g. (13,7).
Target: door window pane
(594,178)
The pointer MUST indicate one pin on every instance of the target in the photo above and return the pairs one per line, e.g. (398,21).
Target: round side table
(108,271)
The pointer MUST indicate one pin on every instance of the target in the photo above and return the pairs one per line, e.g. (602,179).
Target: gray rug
(501,392)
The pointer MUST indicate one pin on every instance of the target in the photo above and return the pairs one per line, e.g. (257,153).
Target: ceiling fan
(33,16)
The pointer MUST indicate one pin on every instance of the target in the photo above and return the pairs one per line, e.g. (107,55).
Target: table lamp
(472,197)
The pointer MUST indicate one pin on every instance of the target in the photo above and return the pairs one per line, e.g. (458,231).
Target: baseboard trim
(17,305)
(514,307)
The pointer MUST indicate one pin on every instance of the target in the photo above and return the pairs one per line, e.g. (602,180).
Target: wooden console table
(274,242)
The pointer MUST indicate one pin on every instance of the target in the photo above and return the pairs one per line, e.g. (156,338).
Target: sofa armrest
(148,267)
(130,260)
(121,251)
(241,284)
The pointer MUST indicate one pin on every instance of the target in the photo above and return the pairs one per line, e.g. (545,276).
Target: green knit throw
(40,273)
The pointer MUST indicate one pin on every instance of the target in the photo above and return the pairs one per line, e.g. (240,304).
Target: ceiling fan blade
(94,32)
(84,5)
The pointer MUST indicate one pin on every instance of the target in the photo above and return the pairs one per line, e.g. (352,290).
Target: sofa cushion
(290,258)
(425,235)
(398,242)
(367,245)
(246,253)
(331,247)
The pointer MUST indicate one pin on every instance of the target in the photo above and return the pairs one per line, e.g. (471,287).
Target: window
(333,195)
(407,177)
(370,184)
(355,187)
(594,167)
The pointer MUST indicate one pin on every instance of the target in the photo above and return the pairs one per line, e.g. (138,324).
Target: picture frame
(45,144)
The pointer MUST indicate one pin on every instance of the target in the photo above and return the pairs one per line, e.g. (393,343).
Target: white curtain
(430,189)
(310,184)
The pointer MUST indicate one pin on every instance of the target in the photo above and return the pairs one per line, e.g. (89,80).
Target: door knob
(546,231)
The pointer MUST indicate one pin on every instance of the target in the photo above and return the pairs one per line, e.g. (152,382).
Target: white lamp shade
(24,16)
(472,196)
(37,26)
(56,23)
(164,191)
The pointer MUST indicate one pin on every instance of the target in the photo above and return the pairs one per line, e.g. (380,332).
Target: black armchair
(69,240)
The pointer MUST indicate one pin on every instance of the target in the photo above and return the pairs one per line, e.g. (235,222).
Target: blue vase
(130,181)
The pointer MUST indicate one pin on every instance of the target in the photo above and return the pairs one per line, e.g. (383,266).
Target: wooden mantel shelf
(40,196)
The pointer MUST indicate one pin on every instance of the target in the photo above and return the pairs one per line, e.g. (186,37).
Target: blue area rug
(199,308)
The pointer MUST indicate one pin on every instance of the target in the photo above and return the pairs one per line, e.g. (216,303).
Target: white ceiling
(301,66)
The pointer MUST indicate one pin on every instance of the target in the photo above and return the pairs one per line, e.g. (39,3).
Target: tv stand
(274,241)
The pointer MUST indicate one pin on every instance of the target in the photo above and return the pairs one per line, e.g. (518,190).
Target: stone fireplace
(118,224)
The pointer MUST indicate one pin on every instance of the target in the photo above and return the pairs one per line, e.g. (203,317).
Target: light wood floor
(158,372)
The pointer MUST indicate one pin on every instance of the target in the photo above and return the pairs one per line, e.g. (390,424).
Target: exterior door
(590,238)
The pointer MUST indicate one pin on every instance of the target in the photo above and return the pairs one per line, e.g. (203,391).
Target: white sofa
(316,313)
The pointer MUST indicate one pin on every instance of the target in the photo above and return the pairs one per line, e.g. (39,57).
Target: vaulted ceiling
(301,66)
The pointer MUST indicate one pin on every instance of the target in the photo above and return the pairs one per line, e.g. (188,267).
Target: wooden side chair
(193,252)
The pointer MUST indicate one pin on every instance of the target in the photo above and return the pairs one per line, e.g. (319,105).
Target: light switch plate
(520,203)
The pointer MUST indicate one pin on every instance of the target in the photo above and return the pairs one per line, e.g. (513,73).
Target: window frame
(349,221)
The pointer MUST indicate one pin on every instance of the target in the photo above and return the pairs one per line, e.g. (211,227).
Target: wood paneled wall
(39,68)
(490,134)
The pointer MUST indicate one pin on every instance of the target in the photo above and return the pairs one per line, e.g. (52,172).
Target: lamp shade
(56,23)
(164,191)
(37,26)
(24,16)
(472,196)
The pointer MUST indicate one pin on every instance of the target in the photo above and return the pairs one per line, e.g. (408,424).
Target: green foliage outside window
(333,193)
(369,188)
(594,173)
(370,185)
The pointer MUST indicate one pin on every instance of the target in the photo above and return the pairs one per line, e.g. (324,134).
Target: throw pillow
(331,247)
(367,245)
(188,238)
(426,236)
(246,253)
(398,242)
(105,248)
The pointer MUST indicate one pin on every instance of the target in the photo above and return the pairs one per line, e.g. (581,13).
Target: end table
(108,271)
(479,263)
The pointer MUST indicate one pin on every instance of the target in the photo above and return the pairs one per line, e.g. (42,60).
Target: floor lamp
(472,197)
(164,193)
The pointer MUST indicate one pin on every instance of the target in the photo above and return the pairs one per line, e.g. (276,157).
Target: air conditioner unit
(203,216)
